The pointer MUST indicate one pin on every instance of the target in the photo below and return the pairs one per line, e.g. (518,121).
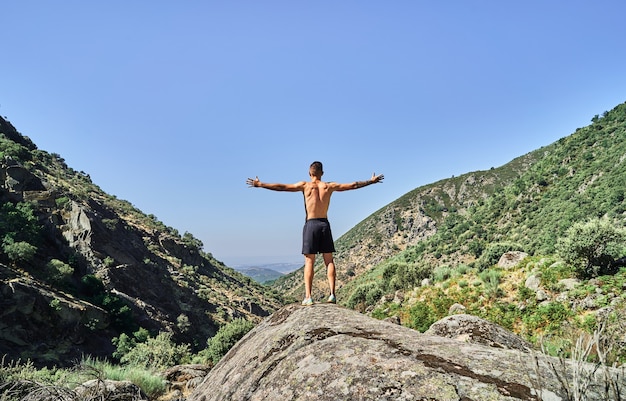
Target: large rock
(478,331)
(110,390)
(511,259)
(326,352)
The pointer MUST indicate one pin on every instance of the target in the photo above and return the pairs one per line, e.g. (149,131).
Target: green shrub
(20,251)
(125,343)
(421,317)
(110,224)
(591,247)
(19,223)
(157,353)
(491,279)
(367,294)
(152,384)
(62,202)
(91,286)
(442,273)
(547,317)
(225,338)
(524,293)
(59,272)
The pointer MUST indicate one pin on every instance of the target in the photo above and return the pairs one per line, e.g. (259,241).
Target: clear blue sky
(172,105)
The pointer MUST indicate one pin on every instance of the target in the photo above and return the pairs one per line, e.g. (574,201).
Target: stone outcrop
(326,352)
(475,330)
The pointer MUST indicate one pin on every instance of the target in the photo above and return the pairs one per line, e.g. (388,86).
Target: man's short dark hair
(317,167)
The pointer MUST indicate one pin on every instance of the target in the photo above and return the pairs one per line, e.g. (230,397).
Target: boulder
(511,259)
(327,352)
(110,390)
(183,378)
(475,330)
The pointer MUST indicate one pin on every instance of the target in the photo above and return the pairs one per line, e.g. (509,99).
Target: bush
(157,353)
(20,251)
(442,273)
(591,247)
(225,338)
(20,230)
(368,294)
(19,223)
(421,317)
(491,278)
(58,272)
(152,384)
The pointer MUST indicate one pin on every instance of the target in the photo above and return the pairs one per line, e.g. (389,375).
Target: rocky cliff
(101,267)
(326,352)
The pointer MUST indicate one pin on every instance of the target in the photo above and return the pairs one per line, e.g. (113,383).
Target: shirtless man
(316,234)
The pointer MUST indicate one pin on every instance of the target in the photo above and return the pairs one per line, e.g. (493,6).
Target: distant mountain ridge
(263,273)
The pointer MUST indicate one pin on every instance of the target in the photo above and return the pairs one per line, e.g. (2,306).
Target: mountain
(407,222)
(79,267)
(259,274)
(531,201)
(451,233)
(266,273)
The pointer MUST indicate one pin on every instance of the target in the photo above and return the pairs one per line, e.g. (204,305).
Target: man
(316,234)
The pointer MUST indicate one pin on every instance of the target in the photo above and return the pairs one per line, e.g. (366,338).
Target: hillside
(407,222)
(530,201)
(437,249)
(79,267)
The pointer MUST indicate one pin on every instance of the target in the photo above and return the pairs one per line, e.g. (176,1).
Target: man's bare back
(317,199)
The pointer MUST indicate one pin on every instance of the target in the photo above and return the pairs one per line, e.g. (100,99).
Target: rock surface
(110,390)
(511,259)
(326,352)
(475,330)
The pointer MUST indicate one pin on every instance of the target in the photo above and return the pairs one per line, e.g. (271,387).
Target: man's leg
(309,263)
(330,271)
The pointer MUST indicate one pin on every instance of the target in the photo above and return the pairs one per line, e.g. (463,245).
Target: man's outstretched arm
(255,182)
(359,184)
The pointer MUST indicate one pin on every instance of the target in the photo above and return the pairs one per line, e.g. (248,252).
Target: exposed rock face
(478,331)
(326,352)
(151,276)
(27,305)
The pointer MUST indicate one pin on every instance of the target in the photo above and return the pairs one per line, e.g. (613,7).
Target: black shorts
(317,237)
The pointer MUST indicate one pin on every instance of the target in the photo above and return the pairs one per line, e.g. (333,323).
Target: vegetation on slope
(432,251)
(554,211)
(83,284)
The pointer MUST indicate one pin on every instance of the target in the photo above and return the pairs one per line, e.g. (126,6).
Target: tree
(591,247)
